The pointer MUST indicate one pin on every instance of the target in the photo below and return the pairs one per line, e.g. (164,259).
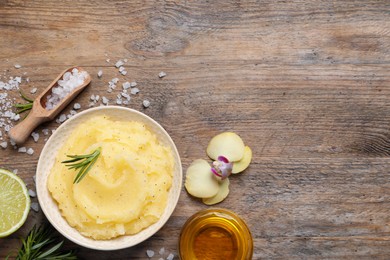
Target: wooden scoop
(40,114)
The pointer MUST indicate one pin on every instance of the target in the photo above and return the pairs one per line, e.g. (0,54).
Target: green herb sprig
(83,163)
(26,106)
(41,244)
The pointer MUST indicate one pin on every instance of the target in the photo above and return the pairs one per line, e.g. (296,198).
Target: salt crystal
(92,97)
(119,63)
(97,98)
(162,251)
(33,90)
(64,87)
(115,80)
(108,60)
(76,106)
(121,68)
(134,91)
(125,95)
(62,118)
(35,206)
(22,149)
(15,171)
(32,193)
(105,101)
(45,131)
(133,84)
(30,151)
(35,136)
(7,128)
(125,102)
(150,253)
(123,72)
(17,66)
(100,73)
(146,103)
(162,74)
(170,257)
(126,85)
(27,80)
(119,102)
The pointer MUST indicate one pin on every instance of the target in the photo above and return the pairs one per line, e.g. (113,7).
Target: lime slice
(14,203)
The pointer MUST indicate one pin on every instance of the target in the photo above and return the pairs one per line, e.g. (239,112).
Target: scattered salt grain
(15,171)
(105,101)
(150,253)
(100,73)
(45,131)
(35,206)
(76,106)
(66,85)
(123,72)
(146,103)
(30,151)
(22,149)
(170,256)
(121,68)
(115,80)
(33,90)
(32,193)
(134,91)
(126,85)
(162,74)
(17,66)
(133,84)
(35,136)
(119,102)
(119,63)
(61,119)
(162,251)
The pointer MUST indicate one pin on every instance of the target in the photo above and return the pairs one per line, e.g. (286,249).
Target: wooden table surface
(305,83)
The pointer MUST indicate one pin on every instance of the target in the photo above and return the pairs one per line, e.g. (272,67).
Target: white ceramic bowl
(46,161)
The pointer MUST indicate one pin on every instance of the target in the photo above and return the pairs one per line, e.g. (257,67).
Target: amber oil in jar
(215,234)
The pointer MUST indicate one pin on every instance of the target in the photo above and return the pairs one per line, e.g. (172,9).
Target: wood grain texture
(305,83)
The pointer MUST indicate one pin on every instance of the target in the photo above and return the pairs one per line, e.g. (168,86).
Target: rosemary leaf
(83,163)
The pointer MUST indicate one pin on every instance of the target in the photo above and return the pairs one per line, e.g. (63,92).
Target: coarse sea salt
(35,136)
(150,253)
(69,82)
(146,103)
(162,74)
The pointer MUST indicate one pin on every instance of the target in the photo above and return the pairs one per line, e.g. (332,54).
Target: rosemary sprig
(83,163)
(25,106)
(41,244)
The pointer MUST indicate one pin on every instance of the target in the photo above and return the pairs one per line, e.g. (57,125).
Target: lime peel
(14,202)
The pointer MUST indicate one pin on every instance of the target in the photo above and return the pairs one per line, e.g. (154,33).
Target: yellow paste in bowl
(127,188)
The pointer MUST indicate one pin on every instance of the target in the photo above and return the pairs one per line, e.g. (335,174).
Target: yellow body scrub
(127,188)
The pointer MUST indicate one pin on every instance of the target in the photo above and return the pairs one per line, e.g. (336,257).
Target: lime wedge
(14,202)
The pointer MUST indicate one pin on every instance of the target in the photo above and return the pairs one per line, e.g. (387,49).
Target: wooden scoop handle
(22,131)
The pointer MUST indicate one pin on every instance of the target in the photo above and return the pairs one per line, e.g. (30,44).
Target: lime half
(14,202)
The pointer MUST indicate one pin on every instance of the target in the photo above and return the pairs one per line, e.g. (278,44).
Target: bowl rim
(106,245)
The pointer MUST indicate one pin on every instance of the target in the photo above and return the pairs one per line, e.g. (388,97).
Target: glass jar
(215,234)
